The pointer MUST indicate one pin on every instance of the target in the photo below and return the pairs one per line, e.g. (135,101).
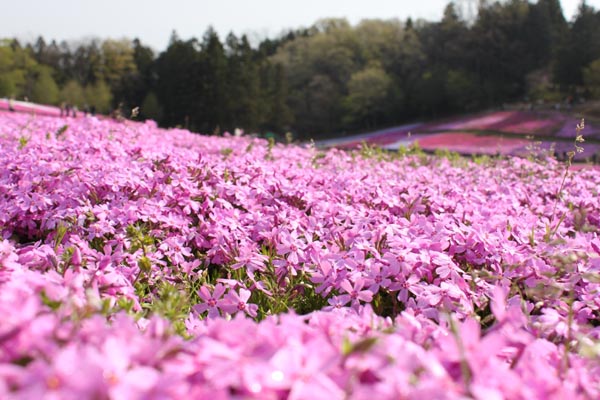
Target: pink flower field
(501,132)
(481,122)
(469,143)
(26,107)
(515,122)
(142,263)
(380,138)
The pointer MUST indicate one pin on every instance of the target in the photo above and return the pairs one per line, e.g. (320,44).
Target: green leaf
(362,346)
(53,304)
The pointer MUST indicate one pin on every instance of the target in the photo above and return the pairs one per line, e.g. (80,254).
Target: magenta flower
(354,293)
(379,275)
(211,302)
(337,302)
(238,302)
(291,246)
(251,262)
(405,286)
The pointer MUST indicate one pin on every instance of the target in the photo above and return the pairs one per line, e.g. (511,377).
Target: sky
(152,21)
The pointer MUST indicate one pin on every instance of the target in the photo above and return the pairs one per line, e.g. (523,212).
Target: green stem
(465,370)
(569,333)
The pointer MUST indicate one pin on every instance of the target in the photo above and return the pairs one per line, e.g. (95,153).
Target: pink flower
(405,286)
(237,302)
(378,276)
(291,246)
(355,293)
(337,302)
(212,302)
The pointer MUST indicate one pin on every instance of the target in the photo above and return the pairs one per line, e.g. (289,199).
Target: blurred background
(323,70)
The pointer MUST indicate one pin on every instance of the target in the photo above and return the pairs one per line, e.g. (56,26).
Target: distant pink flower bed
(26,107)
(420,279)
(469,143)
(541,126)
(560,150)
(568,129)
(382,137)
(484,122)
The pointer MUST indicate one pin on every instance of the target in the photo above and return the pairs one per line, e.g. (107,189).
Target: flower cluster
(139,262)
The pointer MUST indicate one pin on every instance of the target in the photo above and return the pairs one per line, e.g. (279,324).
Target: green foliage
(140,237)
(375,152)
(541,88)
(61,231)
(361,346)
(481,159)
(461,89)
(44,90)
(412,150)
(22,76)
(456,160)
(367,94)
(61,131)
(73,94)
(580,47)
(23,140)
(226,152)
(171,303)
(98,95)
(552,225)
(591,78)
(10,83)
(150,108)
(270,146)
(53,304)
(119,66)
(277,115)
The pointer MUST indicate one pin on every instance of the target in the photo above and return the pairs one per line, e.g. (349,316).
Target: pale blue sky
(153,20)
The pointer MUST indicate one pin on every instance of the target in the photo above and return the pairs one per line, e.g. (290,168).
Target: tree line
(330,78)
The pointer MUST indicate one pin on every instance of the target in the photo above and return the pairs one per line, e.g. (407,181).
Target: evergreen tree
(145,79)
(178,85)
(211,112)
(44,89)
(243,85)
(579,49)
